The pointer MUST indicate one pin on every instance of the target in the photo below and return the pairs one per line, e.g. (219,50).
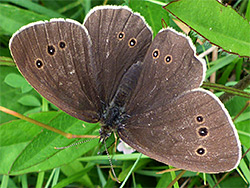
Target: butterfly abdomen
(127,85)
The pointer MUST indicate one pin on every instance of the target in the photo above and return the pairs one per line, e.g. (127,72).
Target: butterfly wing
(194,132)
(120,38)
(173,121)
(162,81)
(56,59)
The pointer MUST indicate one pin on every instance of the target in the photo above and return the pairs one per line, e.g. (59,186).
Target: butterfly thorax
(114,115)
(111,119)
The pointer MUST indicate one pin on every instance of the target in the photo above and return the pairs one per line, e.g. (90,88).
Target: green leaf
(75,167)
(243,117)
(29,100)
(235,105)
(33,110)
(13,18)
(10,95)
(14,80)
(233,181)
(74,177)
(221,25)
(14,136)
(242,123)
(33,150)
(26,87)
(244,132)
(164,181)
(152,12)
(17,81)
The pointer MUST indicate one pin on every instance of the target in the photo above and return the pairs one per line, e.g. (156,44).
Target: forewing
(114,30)
(55,57)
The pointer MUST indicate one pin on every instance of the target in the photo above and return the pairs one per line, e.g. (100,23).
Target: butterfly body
(111,120)
(114,115)
(109,70)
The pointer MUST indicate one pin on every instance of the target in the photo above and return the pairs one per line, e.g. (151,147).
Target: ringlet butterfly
(109,70)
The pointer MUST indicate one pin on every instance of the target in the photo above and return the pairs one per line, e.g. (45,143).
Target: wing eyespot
(203,131)
(156,54)
(51,50)
(199,119)
(132,42)
(168,59)
(201,151)
(62,44)
(39,63)
(121,35)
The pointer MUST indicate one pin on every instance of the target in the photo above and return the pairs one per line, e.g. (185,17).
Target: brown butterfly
(109,70)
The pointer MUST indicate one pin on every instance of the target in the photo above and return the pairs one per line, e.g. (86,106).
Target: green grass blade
(40,178)
(222,62)
(56,177)
(5,180)
(131,170)
(37,8)
(24,181)
(245,171)
(101,176)
(74,177)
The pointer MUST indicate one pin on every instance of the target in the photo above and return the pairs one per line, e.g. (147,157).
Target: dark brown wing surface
(193,132)
(120,38)
(56,59)
(171,120)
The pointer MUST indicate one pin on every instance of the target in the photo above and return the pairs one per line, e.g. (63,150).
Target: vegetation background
(27,154)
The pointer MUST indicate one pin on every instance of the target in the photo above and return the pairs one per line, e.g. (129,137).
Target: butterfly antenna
(112,168)
(75,144)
